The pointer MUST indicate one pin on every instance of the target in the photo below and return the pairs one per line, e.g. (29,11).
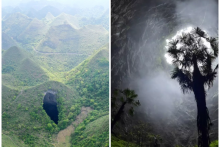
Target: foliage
(193,70)
(91,81)
(28,74)
(214,143)
(93,131)
(119,99)
(192,52)
(117,142)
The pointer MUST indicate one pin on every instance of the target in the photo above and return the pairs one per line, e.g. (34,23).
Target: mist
(61,3)
(160,93)
(143,67)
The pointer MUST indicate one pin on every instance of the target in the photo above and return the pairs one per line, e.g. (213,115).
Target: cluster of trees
(80,137)
(93,86)
(67,113)
(40,115)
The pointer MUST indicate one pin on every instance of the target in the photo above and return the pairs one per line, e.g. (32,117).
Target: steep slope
(30,73)
(90,79)
(49,16)
(34,32)
(31,13)
(13,56)
(15,24)
(62,38)
(12,141)
(7,41)
(66,39)
(92,37)
(24,116)
(103,20)
(66,19)
(92,133)
(19,70)
(44,47)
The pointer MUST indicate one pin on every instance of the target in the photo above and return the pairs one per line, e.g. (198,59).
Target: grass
(34,32)
(117,142)
(19,70)
(214,143)
(92,133)
(11,141)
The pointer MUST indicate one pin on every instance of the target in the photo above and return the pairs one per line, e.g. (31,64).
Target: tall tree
(193,54)
(126,96)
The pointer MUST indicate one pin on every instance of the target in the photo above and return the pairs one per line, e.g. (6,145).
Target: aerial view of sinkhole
(50,106)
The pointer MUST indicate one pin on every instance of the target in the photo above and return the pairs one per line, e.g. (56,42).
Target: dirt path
(63,136)
(49,53)
(19,94)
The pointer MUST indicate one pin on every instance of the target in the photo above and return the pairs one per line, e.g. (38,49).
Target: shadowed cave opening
(50,106)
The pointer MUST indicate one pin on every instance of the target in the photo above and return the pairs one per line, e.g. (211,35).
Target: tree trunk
(118,115)
(202,122)
(203,119)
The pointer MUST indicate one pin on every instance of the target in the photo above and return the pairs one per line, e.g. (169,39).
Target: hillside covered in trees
(55,65)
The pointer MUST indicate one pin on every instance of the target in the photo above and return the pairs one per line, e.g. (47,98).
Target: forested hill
(55,64)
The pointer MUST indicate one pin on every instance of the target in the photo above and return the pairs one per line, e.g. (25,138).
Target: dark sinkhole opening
(50,106)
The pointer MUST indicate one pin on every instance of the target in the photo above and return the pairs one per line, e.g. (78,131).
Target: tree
(193,70)
(49,127)
(126,96)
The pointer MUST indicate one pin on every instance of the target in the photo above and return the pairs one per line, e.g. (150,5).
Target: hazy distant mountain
(15,24)
(7,41)
(6,10)
(66,19)
(39,4)
(34,32)
(43,12)
(31,13)
(71,10)
(49,16)
(66,38)
(104,19)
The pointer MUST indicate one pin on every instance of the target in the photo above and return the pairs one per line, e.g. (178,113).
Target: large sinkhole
(50,106)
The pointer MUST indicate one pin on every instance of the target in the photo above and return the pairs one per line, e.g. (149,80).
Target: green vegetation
(67,39)
(90,79)
(214,143)
(23,113)
(11,141)
(93,132)
(19,70)
(126,96)
(117,142)
(43,54)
